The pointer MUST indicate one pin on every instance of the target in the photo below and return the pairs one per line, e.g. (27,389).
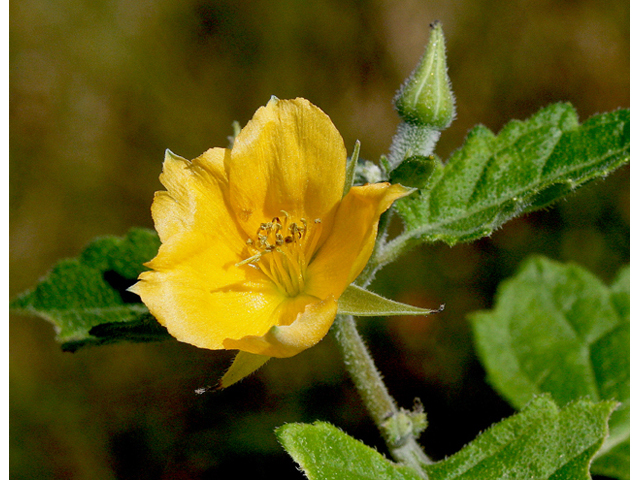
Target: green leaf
(530,164)
(556,328)
(86,298)
(541,442)
(615,464)
(325,452)
(360,302)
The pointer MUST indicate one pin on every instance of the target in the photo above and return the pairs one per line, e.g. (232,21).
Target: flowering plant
(266,246)
(258,243)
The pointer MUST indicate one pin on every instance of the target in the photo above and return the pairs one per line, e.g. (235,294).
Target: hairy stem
(380,404)
(390,251)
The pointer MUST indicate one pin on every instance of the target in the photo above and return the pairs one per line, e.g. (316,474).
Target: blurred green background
(99,89)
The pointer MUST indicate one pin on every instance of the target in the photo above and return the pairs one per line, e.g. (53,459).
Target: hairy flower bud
(425,104)
(426,98)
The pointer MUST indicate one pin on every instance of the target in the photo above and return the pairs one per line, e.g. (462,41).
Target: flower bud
(426,98)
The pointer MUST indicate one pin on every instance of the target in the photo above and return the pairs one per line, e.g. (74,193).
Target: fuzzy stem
(367,379)
(391,250)
(374,393)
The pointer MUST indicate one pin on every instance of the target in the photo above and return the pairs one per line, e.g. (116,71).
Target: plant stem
(360,366)
(388,252)
(374,393)
(367,379)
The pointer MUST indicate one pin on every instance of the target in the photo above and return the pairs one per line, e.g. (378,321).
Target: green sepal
(243,365)
(351,168)
(363,303)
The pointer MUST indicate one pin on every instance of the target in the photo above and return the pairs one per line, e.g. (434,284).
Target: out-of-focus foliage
(100,89)
(557,329)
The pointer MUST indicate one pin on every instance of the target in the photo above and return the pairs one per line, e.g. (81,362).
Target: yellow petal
(196,198)
(289,157)
(195,288)
(309,327)
(348,248)
(204,317)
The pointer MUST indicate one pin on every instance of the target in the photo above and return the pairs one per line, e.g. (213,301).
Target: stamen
(253,259)
(282,249)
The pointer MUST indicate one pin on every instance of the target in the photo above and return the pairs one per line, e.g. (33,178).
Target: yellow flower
(258,242)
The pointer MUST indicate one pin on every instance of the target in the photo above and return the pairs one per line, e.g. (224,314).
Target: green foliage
(556,342)
(325,452)
(528,165)
(417,171)
(558,329)
(541,442)
(86,298)
(616,463)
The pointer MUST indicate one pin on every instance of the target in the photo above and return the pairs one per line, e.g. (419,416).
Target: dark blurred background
(99,89)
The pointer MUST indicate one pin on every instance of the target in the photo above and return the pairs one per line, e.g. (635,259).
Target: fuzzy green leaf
(556,328)
(325,452)
(541,442)
(86,298)
(360,302)
(528,165)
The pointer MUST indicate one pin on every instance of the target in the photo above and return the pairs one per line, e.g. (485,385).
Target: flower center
(281,249)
